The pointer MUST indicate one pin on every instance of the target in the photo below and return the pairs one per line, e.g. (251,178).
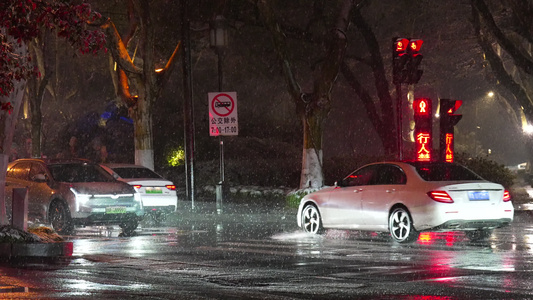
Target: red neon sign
(423,146)
(449,147)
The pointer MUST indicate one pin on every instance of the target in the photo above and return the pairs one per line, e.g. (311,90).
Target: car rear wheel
(60,219)
(478,235)
(155,218)
(311,221)
(401,226)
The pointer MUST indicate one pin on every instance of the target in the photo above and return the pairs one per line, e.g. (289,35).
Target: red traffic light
(422,107)
(400,44)
(455,104)
(448,116)
(448,119)
(415,45)
(405,67)
(423,128)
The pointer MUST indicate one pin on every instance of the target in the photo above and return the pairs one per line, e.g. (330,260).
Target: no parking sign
(223,114)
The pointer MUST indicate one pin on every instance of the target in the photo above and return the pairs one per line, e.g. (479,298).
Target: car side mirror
(39,178)
(340,183)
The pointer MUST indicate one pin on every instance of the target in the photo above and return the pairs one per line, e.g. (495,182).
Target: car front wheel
(60,218)
(401,226)
(128,228)
(311,221)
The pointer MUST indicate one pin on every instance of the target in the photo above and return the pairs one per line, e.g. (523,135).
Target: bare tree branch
(279,43)
(118,49)
(521,61)
(164,75)
(499,70)
(364,95)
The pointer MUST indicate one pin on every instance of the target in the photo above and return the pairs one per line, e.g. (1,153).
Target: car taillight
(171,187)
(137,186)
(440,196)
(506,196)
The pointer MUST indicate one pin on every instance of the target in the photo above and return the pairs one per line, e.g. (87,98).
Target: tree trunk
(312,170)
(36,121)
(36,88)
(7,129)
(147,82)
(141,114)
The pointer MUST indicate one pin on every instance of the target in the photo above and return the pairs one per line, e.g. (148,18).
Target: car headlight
(81,199)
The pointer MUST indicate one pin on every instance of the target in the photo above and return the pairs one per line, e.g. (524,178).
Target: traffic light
(399,60)
(448,119)
(413,73)
(406,60)
(423,128)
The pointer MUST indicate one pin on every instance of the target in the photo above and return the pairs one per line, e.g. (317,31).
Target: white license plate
(115,210)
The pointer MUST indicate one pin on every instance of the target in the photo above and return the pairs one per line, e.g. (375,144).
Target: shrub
(488,169)
(293,199)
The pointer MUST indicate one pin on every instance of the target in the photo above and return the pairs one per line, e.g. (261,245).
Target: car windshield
(445,172)
(76,172)
(136,172)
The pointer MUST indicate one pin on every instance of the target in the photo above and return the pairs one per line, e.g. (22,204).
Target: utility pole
(188,111)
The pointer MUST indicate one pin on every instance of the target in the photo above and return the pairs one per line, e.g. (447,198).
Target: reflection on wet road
(263,257)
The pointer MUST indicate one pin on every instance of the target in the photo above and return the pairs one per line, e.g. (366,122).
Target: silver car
(157,193)
(407,198)
(65,193)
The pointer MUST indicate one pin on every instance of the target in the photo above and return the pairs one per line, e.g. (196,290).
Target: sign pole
(220,186)
(223,120)
(219,58)
(221,160)
(220,198)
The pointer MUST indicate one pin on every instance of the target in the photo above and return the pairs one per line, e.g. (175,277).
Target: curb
(523,207)
(8,250)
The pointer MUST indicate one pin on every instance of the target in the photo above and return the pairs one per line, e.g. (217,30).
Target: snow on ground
(40,234)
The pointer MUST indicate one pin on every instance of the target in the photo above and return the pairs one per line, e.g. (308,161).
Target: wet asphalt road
(259,253)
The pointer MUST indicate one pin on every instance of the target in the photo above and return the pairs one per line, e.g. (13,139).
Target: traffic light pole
(405,61)
(399,120)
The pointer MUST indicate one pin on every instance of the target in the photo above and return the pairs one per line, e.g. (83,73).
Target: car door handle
(358,190)
(390,191)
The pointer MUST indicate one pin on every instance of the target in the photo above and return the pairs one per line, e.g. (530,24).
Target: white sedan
(405,198)
(158,194)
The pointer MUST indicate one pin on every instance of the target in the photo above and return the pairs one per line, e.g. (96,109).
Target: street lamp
(528,129)
(218,39)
